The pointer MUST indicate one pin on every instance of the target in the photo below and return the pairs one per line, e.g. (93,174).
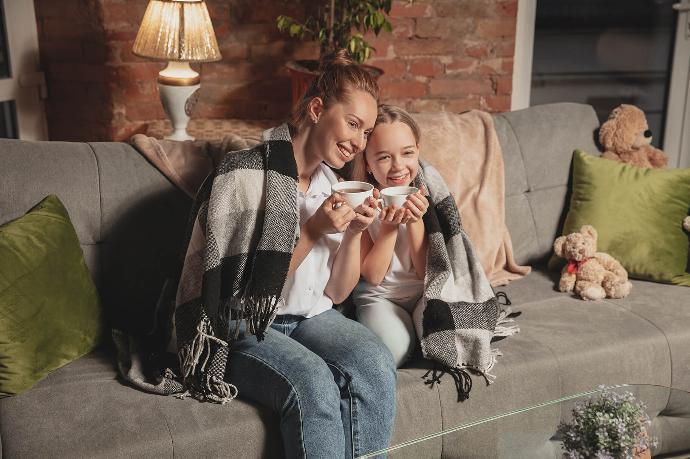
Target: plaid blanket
(239,244)
(460,314)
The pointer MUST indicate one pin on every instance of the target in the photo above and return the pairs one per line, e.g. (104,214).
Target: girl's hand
(416,205)
(333,216)
(394,215)
(365,214)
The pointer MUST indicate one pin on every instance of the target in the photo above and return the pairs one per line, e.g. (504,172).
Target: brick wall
(449,55)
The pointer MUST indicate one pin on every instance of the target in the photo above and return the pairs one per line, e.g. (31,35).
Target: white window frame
(26,85)
(524,49)
(677,130)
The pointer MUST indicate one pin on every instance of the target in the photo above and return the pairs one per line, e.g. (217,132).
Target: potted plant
(335,25)
(612,425)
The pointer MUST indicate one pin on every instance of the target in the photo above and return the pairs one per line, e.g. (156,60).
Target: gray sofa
(130,220)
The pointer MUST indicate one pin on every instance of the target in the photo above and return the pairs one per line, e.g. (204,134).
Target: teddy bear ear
(615,112)
(558,246)
(589,231)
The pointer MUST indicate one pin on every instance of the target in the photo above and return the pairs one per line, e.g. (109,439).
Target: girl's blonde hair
(386,114)
(340,75)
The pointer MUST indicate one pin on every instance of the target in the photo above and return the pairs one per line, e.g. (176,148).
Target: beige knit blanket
(186,164)
(465,150)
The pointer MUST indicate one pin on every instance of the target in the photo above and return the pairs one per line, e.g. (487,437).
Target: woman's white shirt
(303,293)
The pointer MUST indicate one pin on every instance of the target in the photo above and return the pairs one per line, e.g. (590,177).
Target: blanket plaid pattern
(460,314)
(238,248)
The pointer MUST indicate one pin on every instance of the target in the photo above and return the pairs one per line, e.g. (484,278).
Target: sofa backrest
(538,144)
(130,219)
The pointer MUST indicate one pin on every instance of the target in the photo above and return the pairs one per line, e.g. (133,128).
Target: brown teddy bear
(626,137)
(592,275)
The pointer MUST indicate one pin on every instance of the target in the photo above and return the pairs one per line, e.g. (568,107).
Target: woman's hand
(416,206)
(333,216)
(365,214)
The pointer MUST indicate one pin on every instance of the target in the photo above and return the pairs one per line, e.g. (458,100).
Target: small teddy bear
(626,137)
(592,275)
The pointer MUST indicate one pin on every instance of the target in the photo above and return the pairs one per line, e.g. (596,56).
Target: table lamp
(180,32)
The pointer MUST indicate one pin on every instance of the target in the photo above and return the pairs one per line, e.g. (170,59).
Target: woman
(331,381)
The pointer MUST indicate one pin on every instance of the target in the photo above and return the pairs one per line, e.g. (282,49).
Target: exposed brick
(477,50)
(497,103)
(508,8)
(403,9)
(100,91)
(427,67)
(123,13)
(94,53)
(425,105)
(496,28)
(77,72)
(62,51)
(425,47)
(271,50)
(491,67)
(459,87)
(504,85)
(392,68)
(461,65)
(233,50)
(144,111)
(59,29)
(462,104)
(402,27)
(505,48)
(404,88)
(448,28)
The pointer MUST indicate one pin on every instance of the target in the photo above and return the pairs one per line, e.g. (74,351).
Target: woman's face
(342,129)
(392,154)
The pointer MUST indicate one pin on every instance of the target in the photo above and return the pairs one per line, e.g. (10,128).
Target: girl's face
(392,154)
(341,131)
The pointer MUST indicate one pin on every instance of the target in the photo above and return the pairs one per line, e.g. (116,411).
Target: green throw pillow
(637,212)
(49,309)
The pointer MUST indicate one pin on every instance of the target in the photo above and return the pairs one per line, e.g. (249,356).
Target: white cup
(397,195)
(354,193)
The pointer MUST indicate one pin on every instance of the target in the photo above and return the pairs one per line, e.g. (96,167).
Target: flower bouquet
(612,425)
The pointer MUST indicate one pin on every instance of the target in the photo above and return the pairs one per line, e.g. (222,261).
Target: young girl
(393,251)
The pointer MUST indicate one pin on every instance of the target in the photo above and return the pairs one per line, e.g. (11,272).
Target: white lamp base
(177,102)
(177,86)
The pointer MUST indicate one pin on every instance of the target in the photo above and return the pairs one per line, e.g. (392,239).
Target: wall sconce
(180,32)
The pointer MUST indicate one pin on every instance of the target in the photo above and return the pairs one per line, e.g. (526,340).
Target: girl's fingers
(418,201)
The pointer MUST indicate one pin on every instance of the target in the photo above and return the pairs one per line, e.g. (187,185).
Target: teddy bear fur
(686,223)
(590,274)
(626,138)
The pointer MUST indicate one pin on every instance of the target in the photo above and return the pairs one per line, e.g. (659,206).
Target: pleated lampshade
(177,30)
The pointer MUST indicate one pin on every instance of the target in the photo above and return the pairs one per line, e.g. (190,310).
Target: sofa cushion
(537,145)
(49,308)
(637,212)
(566,346)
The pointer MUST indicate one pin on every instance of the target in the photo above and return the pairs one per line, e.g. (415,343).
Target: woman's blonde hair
(340,75)
(387,114)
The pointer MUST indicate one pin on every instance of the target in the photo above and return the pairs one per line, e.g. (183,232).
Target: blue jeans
(331,381)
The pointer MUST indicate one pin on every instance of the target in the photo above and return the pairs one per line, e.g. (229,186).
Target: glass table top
(520,432)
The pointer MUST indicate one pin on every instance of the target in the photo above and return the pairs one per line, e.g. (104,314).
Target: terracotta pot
(303,73)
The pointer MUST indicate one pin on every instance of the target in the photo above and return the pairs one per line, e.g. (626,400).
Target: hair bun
(337,58)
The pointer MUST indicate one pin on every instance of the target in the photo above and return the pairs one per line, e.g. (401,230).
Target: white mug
(397,195)
(354,193)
